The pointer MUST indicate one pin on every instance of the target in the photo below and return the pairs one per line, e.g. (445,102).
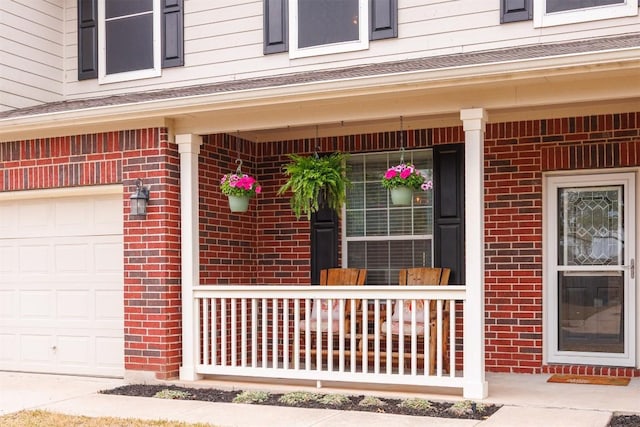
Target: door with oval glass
(590,269)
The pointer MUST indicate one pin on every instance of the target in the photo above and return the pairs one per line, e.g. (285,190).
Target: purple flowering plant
(405,174)
(239,185)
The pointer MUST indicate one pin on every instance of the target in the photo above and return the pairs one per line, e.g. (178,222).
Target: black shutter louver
(383,19)
(87,39)
(172,33)
(515,10)
(324,242)
(276,24)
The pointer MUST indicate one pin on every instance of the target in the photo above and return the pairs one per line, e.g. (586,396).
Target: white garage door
(61,284)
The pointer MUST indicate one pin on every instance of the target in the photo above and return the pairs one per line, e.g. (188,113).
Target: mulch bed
(438,409)
(625,421)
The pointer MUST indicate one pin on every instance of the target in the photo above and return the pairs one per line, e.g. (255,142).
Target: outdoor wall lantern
(139,199)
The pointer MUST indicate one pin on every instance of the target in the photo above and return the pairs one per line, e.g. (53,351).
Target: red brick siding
(516,154)
(151,245)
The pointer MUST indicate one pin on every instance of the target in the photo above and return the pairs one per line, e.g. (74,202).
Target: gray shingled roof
(371,70)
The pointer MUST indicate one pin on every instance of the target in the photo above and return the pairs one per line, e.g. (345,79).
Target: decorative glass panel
(590,226)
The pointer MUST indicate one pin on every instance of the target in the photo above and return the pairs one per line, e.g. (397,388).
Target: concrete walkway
(528,401)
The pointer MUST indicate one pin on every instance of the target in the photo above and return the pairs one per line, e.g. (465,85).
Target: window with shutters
(379,236)
(122,40)
(559,12)
(128,39)
(318,27)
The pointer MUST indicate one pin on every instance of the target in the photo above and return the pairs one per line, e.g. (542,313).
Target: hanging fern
(315,179)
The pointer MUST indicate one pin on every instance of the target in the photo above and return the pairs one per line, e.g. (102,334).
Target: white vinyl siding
(31,52)
(224,42)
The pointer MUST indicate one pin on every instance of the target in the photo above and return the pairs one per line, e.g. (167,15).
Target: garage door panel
(72,258)
(37,304)
(106,256)
(73,350)
(36,348)
(61,285)
(9,347)
(108,305)
(8,305)
(34,258)
(109,352)
(73,305)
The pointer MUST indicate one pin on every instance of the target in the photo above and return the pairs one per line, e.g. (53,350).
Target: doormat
(588,379)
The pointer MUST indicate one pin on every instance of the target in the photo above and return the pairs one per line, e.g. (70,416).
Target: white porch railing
(268,331)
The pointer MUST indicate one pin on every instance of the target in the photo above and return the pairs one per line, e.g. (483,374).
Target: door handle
(632,268)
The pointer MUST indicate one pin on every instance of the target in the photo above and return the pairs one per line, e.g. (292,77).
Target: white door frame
(551,184)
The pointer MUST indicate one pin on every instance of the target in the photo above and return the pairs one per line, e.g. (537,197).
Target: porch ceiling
(426,93)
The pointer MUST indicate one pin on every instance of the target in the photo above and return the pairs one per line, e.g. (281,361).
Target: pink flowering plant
(239,185)
(405,174)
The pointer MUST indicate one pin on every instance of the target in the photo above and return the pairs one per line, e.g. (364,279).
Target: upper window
(379,236)
(558,12)
(317,27)
(128,39)
(327,26)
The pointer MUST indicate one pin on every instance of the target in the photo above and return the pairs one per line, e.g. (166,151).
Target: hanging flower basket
(239,188)
(239,203)
(401,180)
(401,196)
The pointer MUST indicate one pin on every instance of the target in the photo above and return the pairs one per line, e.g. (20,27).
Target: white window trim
(156,71)
(551,354)
(543,19)
(362,44)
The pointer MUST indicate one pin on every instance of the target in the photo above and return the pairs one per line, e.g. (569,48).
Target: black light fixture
(139,199)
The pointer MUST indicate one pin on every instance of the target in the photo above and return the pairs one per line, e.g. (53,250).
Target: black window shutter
(172,33)
(515,10)
(87,39)
(276,25)
(324,242)
(448,221)
(383,19)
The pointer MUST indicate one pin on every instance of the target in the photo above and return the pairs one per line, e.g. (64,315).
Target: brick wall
(516,154)
(151,245)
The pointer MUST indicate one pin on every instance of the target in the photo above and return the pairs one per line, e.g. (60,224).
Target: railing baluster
(426,344)
(389,337)
(452,338)
(274,333)
(296,334)
(254,333)
(205,330)
(354,333)
(223,331)
(214,331)
(401,339)
(330,335)
(243,344)
(365,335)
(307,334)
(265,334)
(341,336)
(414,336)
(439,338)
(234,332)
(285,332)
(376,336)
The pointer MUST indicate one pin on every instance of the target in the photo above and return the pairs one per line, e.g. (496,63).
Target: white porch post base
(475,385)
(189,149)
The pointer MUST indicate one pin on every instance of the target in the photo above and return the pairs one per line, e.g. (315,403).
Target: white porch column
(474,120)
(189,148)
